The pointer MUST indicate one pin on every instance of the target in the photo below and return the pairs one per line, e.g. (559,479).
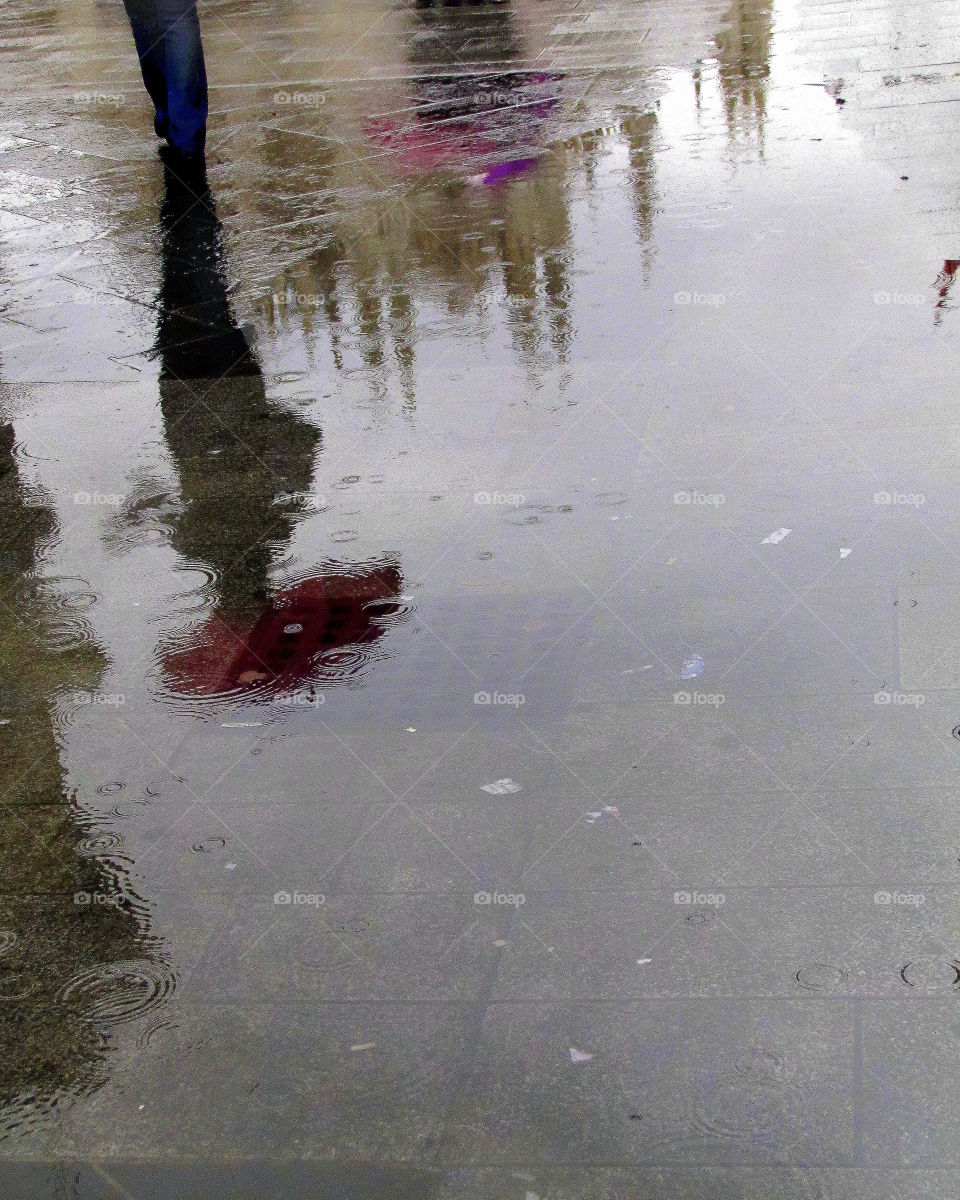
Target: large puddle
(476,675)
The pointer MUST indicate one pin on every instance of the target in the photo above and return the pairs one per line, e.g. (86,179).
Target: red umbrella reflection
(292,640)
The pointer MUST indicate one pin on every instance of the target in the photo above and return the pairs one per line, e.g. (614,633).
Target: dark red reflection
(281,648)
(944,284)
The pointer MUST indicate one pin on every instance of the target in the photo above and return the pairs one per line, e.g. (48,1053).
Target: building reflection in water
(76,954)
(454,198)
(743,50)
(245,466)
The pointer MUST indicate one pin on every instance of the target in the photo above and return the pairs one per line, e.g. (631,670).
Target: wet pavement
(478,671)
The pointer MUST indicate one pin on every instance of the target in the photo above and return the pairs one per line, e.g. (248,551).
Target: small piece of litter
(777,536)
(241,724)
(362,1046)
(229,866)
(592,816)
(692,667)
(411,729)
(844,551)
(500,787)
(671,561)
(141,1108)
(4,720)
(611,808)
(578,1056)
(642,961)
(500,942)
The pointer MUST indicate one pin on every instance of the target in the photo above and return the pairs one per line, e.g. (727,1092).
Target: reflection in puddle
(69,914)
(318,631)
(460,322)
(245,467)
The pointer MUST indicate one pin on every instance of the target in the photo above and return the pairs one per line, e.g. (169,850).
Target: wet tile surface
(477,669)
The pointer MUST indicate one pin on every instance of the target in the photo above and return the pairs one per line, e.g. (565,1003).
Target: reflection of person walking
(167,37)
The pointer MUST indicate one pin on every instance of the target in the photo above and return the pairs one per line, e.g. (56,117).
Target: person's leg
(147,37)
(167,37)
(186,76)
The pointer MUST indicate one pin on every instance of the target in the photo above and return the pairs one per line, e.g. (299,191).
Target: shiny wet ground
(478,672)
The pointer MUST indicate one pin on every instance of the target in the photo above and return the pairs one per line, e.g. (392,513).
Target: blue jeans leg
(167,37)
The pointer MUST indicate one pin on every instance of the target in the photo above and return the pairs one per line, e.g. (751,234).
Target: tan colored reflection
(71,932)
(743,48)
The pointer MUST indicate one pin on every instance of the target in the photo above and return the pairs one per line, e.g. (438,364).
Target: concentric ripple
(99,843)
(117,992)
